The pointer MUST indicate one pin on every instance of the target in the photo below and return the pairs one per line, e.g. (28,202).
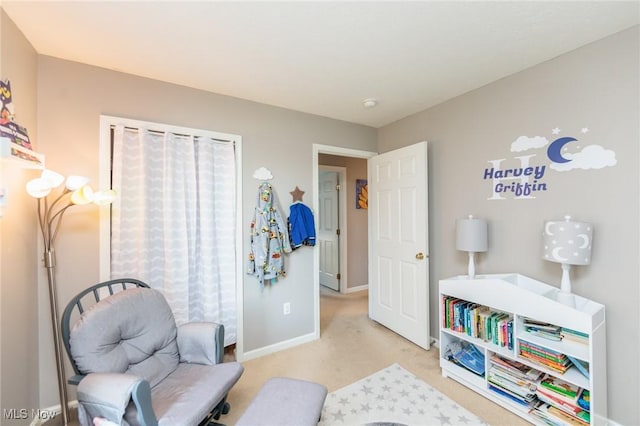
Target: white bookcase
(522,297)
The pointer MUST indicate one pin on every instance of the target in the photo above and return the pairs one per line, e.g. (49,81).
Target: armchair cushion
(117,336)
(105,395)
(173,399)
(200,343)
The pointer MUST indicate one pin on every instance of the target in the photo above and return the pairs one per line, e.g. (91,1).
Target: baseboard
(277,347)
(357,288)
(604,421)
(435,342)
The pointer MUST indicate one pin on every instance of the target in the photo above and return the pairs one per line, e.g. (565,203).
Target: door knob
(420,256)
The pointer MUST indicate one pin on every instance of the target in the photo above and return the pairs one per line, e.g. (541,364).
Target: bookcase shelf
(523,299)
(27,158)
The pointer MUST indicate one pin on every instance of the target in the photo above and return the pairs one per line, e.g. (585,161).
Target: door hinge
(338,276)
(338,187)
(337,231)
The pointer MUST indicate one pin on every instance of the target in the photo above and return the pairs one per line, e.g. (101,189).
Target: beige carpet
(352,347)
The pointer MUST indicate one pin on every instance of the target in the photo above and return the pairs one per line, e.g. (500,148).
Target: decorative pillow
(133,331)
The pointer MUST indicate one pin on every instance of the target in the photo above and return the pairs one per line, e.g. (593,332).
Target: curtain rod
(162,132)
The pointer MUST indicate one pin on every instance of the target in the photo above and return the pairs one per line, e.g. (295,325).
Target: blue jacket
(302,228)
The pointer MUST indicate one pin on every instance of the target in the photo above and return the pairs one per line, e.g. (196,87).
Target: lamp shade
(567,241)
(54,179)
(76,182)
(83,195)
(471,235)
(103,198)
(38,187)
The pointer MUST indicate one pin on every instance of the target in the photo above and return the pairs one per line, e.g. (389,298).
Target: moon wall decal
(554,151)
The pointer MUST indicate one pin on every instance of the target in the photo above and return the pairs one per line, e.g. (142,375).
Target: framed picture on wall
(362,194)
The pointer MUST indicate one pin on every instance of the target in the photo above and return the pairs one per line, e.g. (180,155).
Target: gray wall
(71,97)
(19,257)
(357,219)
(596,87)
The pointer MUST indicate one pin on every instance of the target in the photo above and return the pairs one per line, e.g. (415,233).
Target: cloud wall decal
(591,157)
(524,143)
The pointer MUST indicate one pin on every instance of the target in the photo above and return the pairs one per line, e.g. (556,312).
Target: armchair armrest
(106,395)
(201,343)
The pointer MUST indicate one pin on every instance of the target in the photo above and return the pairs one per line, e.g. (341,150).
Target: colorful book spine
(477,321)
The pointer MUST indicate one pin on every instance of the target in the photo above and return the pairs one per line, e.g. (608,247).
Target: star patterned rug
(393,397)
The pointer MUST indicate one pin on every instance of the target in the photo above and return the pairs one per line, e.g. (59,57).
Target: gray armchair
(134,366)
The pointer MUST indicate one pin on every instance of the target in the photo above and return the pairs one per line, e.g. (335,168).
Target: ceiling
(324,57)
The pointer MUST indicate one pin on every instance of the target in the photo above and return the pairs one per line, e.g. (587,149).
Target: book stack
(543,329)
(466,355)
(478,321)
(8,128)
(514,380)
(574,336)
(545,357)
(561,403)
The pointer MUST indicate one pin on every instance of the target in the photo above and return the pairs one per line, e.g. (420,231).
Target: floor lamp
(75,192)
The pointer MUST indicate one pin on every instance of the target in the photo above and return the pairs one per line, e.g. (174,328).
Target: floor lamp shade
(471,236)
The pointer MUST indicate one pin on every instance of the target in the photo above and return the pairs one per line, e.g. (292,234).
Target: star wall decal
(296,194)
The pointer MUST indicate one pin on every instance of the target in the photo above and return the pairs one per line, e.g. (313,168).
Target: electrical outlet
(286,308)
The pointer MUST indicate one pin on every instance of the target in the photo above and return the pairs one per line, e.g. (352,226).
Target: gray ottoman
(285,402)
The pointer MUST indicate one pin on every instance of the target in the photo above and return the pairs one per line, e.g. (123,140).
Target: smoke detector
(370,103)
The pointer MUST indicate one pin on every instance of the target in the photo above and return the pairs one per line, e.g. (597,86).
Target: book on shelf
(545,357)
(531,324)
(555,416)
(521,389)
(511,396)
(513,379)
(466,355)
(546,335)
(517,369)
(581,366)
(477,321)
(571,408)
(560,387)
(15,132)
(574,336)
(561,401)
(584,400)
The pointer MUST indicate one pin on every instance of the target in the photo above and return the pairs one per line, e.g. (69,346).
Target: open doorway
(333,231)
(354,229)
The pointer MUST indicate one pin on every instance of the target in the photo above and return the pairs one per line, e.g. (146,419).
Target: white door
(328,229)
(398,242)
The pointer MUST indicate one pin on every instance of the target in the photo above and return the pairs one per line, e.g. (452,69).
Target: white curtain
(173,224)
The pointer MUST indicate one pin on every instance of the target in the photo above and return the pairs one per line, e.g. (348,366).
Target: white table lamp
(567,242)
(471,236)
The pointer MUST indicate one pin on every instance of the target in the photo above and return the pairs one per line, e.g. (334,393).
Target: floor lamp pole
(77,192)
(50,263)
